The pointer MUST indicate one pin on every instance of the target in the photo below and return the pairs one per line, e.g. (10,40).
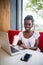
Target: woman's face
(28,25)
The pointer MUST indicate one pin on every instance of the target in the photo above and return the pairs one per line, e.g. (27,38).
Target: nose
(27,26)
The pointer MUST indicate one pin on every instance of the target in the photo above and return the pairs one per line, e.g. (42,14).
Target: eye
(29,24)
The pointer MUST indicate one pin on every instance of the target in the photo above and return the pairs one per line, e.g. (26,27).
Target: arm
(21,44)
(29,47)
(35,46)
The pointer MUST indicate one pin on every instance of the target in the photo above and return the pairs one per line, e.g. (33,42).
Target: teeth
(27,28)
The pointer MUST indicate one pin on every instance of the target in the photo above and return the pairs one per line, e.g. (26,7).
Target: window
(38,19)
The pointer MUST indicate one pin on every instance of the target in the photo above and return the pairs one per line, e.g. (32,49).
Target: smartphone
(26,57)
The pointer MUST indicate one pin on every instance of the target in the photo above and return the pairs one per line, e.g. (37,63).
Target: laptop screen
(13,50)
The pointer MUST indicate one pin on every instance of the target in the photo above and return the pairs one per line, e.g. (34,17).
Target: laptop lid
(5,42)
(7,47)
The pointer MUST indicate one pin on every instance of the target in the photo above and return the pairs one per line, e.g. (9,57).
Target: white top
(29,41)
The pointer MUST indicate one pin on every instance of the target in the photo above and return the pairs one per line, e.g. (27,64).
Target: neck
(27,31)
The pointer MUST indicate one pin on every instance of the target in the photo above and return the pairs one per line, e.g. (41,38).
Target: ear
(32,24)
(33,27)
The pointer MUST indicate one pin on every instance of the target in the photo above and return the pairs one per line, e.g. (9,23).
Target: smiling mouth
(27,28)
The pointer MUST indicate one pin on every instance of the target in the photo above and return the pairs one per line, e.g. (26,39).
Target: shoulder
(36,35)
(20,33)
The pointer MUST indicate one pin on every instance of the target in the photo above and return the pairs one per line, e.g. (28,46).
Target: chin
(27,30)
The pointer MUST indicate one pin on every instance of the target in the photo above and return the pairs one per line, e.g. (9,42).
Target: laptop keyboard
(13,50)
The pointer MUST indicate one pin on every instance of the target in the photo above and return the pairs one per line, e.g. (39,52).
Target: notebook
(9,48)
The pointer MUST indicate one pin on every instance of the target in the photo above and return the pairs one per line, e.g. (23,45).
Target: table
(36,58)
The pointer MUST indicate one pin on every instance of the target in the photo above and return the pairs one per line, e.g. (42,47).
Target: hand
(23,46)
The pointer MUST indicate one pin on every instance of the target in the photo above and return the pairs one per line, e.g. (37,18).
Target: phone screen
(26,57)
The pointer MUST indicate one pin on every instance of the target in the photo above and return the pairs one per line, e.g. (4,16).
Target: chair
(40,44)
(11,34)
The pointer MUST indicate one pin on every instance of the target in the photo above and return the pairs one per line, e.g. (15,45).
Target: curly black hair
(29,17)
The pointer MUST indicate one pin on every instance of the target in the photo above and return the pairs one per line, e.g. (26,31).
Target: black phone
(26,57)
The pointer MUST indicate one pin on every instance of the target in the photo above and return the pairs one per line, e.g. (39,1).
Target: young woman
(28,39)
